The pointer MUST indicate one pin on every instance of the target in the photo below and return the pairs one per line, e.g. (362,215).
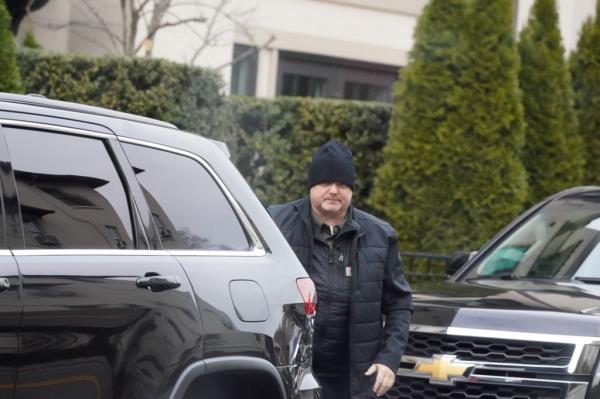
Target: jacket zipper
(353,287)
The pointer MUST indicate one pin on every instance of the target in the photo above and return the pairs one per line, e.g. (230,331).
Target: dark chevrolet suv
(135,262)
(521,319)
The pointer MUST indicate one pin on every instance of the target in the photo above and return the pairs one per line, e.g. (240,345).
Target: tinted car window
(70,193)
(189,209)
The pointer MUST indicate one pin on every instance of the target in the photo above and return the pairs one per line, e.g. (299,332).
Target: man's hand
(385,378)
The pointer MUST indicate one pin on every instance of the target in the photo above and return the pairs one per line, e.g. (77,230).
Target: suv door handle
(4,284)
(158,283)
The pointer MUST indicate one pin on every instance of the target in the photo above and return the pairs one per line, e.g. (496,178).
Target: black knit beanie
(331,162)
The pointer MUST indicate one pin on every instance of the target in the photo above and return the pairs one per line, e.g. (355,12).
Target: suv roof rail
(41,101)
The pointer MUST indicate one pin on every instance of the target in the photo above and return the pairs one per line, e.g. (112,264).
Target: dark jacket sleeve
(396,305)
(275,213)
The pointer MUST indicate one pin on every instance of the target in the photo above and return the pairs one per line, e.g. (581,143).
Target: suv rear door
(245,292)
(199,225)
(104,314)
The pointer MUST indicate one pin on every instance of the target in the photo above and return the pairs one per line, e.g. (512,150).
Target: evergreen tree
(414,172)
(491,182)
(10,80)
(585,70)
(452,174)
(31,42)
(553,152)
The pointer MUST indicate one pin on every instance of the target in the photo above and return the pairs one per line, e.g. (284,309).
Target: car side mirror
(457,260)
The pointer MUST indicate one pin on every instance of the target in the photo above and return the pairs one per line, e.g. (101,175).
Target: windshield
(560,241)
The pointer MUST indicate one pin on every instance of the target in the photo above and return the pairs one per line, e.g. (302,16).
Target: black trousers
(334,387)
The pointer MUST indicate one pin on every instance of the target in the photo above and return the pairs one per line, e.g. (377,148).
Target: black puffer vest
(378,289)
(330,269)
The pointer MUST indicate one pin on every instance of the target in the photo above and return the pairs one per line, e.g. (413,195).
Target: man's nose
(334,187)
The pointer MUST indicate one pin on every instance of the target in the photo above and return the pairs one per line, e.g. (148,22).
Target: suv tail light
(309,295)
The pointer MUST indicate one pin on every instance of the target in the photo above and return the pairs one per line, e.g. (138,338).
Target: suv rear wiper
(588,280)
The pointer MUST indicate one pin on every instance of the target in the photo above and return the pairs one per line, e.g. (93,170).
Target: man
(353,259)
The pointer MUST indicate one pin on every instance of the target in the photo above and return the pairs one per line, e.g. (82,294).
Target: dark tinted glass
(306,86)
(189,209)
(243,70)
(301,74)
(70,194)
(366,92)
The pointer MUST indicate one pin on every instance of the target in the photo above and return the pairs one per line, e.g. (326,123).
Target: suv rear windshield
(559,241)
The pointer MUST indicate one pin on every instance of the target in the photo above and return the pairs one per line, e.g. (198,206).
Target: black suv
(137,263)
(521,319)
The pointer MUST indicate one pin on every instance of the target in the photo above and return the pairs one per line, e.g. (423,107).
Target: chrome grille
(490,349)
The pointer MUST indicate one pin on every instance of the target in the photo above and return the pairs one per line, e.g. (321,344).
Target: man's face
(331,199)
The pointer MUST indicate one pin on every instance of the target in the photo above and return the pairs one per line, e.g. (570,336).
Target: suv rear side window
(189,209)
(70,193)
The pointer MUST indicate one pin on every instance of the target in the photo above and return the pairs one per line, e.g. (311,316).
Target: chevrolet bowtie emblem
(442,369)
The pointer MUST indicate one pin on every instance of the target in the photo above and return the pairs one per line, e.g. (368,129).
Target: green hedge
(185,96)
(275,140)
(10,81)
(271,141)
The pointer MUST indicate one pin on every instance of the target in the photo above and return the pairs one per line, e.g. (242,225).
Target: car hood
(565,308)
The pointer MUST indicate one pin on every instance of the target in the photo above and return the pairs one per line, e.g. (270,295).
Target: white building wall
(82,39)
(375,31)
(372,31)
(338,29)
(348,29)
(266,79)
(181,42)
(55,13)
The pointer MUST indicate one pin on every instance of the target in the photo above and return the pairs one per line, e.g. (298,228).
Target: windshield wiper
(500,276)
(588,280)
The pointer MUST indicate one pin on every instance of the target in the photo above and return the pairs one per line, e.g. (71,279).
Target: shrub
(188,97)
(585,69)
(31,42)
(452,175)
(553,154)
(413,185)
(271,141)
(277,138)
(491,181)
(10,81)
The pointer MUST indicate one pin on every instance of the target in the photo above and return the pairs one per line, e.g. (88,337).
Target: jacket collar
(304,210)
